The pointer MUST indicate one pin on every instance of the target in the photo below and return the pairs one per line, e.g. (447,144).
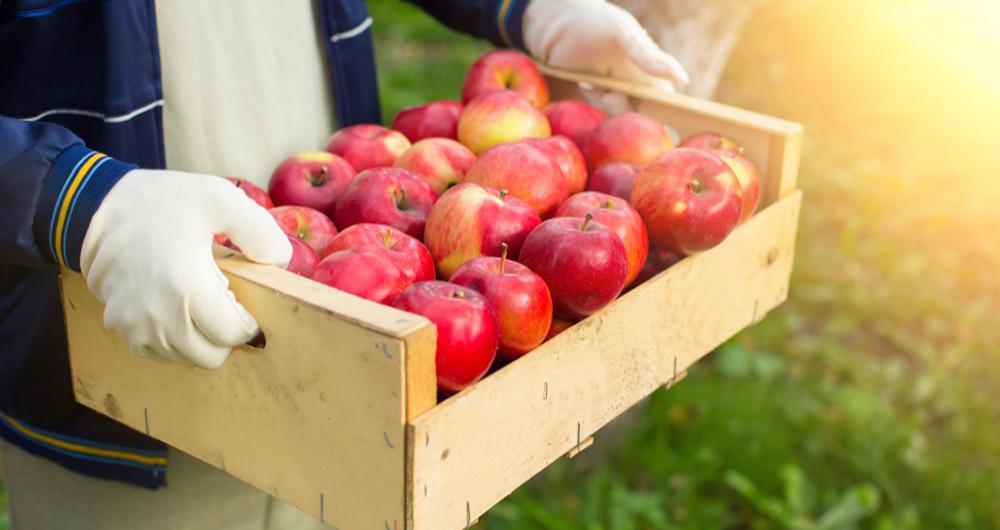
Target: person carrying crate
(112,113)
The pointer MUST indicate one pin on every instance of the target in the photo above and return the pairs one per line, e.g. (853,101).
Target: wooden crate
(337,413)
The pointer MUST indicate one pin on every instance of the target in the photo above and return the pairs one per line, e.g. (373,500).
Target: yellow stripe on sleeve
(67,200)
(95,451)
(501,18)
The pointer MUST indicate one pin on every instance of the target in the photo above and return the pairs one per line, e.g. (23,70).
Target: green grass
(868,400)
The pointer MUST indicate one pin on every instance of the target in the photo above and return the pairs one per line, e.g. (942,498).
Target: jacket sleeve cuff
(505,24)
(71,192)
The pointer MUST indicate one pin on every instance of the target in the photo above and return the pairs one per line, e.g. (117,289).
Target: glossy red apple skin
(573,119)
(749,179)
(524,171)
(614,178)
(689,199)
(406,252)
(506,70)
(304,258)
(631,137)
(467,330)
(364,273)
(437,119)
(711,140)
(442,162)
(311,226)
(658,261)
(519,298)
(499,118)
(585,267)
(471,220)
(255,192)
(389,196)
(558,326)
(368,145)
(568,157)
(617,215)
(314,179)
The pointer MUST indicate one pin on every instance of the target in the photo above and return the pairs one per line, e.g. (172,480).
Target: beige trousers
(45,496)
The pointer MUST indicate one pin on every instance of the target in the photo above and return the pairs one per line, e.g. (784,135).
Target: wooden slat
(475,448)
(316,418)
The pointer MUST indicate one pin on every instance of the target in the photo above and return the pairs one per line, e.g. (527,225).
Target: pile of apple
(505,218)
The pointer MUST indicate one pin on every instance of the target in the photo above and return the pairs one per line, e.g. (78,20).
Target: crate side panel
(316,418)
(478,446)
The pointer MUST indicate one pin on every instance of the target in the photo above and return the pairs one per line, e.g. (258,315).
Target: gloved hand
(148,256)
(598,37)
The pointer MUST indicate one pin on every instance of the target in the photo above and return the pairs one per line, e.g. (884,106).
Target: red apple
(471,220)
(583,263)
(569,158)
(467,331)
(525,171)
(500,118)
(614,178)
(617,215)
(658,261)
(506,70)
(307,224)
(440,161)
(630,137)
(558,326)
(253,191)
(389,196)
(573,119)
(434,119)
(408,254)
(689,198)
(365,273)
(711,140)
(314,179)
(304,258)
(749,179)
(368,145)
(519,298)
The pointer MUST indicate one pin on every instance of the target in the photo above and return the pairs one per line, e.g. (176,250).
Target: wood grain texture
(475,448)
(316,418)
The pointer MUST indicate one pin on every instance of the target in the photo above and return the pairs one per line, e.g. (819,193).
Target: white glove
(597,37)
(148,256)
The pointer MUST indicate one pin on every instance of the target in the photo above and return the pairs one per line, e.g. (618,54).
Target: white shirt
(245,84)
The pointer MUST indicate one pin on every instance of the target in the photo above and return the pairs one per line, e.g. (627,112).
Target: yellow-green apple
(631,137)
(558,326)
(689,198)
(304,258)
(582,261)
(506,70)
(711,140)
(567,155)
(471,220)
(408,254)
(500,118)
(749,179)
(614,178)
(314,179)
(253,191)
(310,225)
(519,298)
(437,119)
(442,162)
(368,145)
(389,196)
(525,171)
(467,330)
(617,215)
(365,273)
(573,119)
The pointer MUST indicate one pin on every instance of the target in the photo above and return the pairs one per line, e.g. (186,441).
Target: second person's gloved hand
(598,37)
(148,256)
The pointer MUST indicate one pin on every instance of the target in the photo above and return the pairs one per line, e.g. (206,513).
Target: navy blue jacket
(80,105)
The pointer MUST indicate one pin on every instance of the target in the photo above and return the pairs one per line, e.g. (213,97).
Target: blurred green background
(871,399)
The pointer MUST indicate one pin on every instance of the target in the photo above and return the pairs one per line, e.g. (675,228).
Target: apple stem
(503,193)
(387,237)
(696,186)
(586,221)
(458,294)
(320,179)
(400,197)
(503,257)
